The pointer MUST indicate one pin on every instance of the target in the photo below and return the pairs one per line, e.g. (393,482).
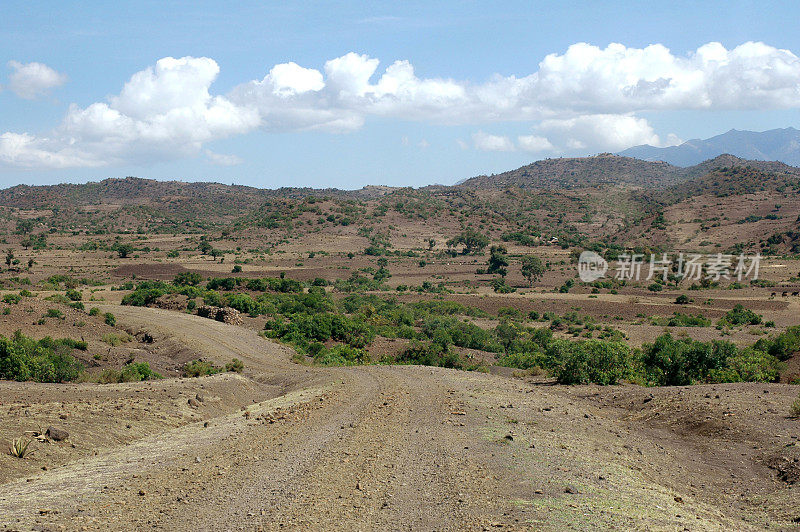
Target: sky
(345,94)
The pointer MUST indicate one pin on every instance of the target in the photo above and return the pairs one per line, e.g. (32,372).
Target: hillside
(773,145)
(569,173)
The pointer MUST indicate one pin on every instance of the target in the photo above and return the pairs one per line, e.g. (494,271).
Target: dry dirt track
(399,448)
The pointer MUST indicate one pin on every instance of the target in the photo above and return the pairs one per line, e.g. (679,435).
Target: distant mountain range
(773,145)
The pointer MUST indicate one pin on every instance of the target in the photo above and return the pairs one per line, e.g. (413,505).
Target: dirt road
(417,448)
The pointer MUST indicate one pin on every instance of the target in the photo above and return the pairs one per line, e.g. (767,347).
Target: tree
(9,257)
(472,241)
(498,261)
(532,268)
(204,247)
(24,227)
(507,333)
(124,250)
(431,243)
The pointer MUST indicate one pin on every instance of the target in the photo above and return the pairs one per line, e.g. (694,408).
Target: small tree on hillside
(532,268)
(472,241)
(123,250)
(498,261)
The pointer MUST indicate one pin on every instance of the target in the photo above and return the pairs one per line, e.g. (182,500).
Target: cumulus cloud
(163,112)
(221,159)
(584,98)
(31,80)
(486,142)
(534,143)
(601,132)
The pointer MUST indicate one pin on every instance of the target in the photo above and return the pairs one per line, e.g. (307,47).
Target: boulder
(56,434)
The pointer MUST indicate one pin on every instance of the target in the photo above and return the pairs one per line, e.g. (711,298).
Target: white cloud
(486,142)
(162,113)
(222,159)
(602,132)
(423,144)
(584,98)
(31,80)
(534,143)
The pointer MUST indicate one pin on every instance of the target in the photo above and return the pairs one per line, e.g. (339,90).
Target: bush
(740,316)
(187,279)
(592,361)
(782,346)
(74,295)
(683,299)
(794,411)
(135,372)
(110,319)
(429,354)
(94,311)
(235,365)
(200,368)
(342,355)
(749,365)
(11,299)
(54,313)
(671,362)
(115,339)
(46,360)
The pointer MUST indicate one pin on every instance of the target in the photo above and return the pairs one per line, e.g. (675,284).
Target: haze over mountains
(773,145)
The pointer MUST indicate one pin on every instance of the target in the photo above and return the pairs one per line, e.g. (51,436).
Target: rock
(571,489)
(56,434)
(224,314)
(194,403)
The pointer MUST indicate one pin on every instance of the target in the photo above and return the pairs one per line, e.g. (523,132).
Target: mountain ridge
(772,145)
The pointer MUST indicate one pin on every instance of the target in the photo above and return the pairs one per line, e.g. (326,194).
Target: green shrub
(116,339)
(341,355)
(591,361)
(794,411)
(46,360)
(749,365)
(740,316)
(782,346)
(11,299)
(235,365)
(94,311)
(200,368)
(54,313)
(74,295)
(429,354)
(110,319)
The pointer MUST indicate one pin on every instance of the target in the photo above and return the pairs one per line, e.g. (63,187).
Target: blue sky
(276,94)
